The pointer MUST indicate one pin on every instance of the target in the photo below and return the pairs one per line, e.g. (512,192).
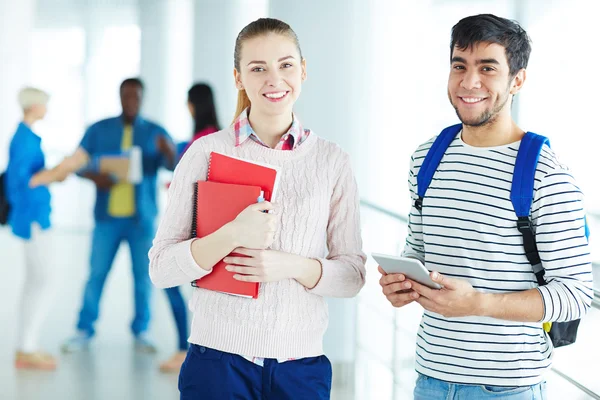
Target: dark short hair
(132,81)
(489,28)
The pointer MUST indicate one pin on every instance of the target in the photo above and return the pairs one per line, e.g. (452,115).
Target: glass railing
(386,337)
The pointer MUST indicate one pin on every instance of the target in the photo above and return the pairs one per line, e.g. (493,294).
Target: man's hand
(395,289)
(457,298)
(102,181)
(166,148)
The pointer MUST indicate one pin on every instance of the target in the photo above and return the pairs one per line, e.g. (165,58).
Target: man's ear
(518,81)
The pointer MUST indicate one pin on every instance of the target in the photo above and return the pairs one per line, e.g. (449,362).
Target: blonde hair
(30,96)
(262,26)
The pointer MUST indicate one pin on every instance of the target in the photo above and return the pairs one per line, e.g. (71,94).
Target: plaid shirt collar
(289,141)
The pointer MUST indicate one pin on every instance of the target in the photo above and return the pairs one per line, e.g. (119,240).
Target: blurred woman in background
(202,109)
(29,219)
(201,104)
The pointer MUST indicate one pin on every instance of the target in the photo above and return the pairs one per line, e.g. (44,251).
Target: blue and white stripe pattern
(468,230)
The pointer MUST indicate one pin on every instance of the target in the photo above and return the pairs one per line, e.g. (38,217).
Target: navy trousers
(211,374)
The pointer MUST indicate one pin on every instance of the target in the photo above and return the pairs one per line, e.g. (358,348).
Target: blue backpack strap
(521,196)
(432,161)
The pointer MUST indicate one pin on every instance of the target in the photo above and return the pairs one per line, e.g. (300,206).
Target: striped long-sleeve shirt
(468,229)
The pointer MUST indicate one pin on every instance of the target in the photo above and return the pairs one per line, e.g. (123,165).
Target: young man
(481,336)
(123,211)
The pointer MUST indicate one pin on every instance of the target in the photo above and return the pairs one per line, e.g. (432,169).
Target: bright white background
(377,72)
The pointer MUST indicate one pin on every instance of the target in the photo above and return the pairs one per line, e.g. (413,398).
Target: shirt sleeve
(20,173)
(87,142)
(152,161)
(558,217)
(343,270)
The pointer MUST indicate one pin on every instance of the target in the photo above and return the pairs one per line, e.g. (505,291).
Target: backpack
(521,196)
(4,206)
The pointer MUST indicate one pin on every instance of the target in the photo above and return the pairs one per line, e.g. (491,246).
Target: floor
(113,370)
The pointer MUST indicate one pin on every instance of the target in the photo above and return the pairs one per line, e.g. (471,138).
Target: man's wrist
(483,304)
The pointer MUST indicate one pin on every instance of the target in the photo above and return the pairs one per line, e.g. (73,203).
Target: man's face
(480,86)
(131,100)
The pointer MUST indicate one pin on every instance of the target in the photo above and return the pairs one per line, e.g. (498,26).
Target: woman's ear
(303,63)
(238,79)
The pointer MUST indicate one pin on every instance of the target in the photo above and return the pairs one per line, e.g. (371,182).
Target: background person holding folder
(123,211)
(307,248)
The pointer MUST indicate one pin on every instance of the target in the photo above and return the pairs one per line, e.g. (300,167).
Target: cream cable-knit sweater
(318,207)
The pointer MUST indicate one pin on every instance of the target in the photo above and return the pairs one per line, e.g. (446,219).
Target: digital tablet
(412,268)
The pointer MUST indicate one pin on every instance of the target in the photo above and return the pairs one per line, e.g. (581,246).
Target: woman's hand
(273,266)
(253,228)
(46,177)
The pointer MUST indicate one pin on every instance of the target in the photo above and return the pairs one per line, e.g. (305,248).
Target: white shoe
(144,344)
(80,342)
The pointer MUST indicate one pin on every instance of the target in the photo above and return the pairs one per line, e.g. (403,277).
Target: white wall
(560,97)
(216,26)
(166,62)
(16,27)
(80,55)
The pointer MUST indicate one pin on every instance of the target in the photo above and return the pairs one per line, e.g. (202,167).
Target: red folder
(227,169)
(217,204)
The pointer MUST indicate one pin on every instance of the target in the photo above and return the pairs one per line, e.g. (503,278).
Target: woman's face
(271,72)
(39,111)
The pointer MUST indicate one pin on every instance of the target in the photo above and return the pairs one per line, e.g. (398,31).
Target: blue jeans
(180,314)
(106,239)
(210,374)
(428,388)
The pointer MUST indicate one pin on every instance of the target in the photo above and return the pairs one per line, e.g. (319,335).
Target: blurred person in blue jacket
(29,219)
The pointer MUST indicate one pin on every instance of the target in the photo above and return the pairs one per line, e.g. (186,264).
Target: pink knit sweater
(319,218)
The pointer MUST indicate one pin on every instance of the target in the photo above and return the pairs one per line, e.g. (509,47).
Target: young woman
(29,218)
(308,247)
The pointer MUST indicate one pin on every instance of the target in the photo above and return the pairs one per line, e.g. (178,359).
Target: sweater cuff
(185,260)
(547,302)
(323,287)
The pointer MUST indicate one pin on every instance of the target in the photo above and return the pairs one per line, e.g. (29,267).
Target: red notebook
(216,204)
(228,169)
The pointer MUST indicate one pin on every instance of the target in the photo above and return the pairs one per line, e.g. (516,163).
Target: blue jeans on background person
(210,374)
(106,240)
(180,315)
(428,388)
